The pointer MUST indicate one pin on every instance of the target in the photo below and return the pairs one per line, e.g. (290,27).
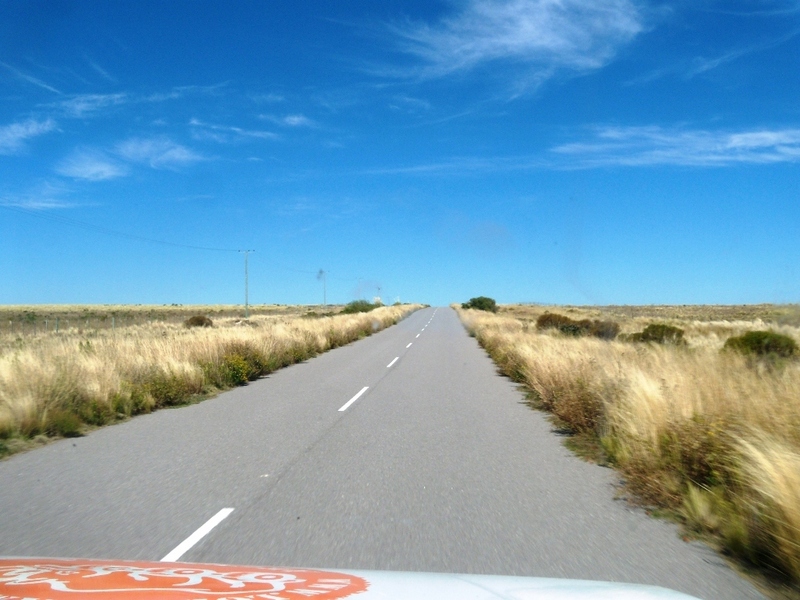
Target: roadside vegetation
(59,384)
(698,407)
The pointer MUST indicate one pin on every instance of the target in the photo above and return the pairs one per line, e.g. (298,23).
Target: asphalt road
(437,466)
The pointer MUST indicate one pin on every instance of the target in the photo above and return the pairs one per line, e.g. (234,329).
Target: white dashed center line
(198,535)
(354,398)
(409,344)
(394,361)
(417,335)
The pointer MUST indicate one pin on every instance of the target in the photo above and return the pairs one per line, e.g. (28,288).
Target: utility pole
(246,283)
(322,275)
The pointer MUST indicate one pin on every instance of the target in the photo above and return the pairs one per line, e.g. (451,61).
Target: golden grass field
(61,383)
(710,437)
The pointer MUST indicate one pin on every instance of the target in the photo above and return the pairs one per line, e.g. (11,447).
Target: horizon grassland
(704,432)
(66,369)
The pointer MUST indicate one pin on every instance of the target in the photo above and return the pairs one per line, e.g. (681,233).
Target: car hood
(56,579)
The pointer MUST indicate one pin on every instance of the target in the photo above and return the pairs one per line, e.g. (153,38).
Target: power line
(111,232)
(131,236)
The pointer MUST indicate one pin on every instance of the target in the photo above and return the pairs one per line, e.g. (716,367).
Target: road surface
(403,451)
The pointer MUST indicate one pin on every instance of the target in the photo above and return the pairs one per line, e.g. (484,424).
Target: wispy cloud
(185,90)
(90,165)
(464,165)
(701,64)
(270,98)
(653,145)
(159,153)
(227,133)
(101,71)
(543,36)
(292,120)
(29,78)
(13,136)
(44,196)
(84,104)
(297,121)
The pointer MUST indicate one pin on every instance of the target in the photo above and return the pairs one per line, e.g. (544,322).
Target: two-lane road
(404,451)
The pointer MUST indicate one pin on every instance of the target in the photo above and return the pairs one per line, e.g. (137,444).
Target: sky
(552,151)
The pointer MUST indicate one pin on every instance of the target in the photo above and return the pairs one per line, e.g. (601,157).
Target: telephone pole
(322,275)
(246,283)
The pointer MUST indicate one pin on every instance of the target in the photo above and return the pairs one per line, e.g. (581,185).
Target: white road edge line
(396,358)
(409,344)
(354,398)
(198,535)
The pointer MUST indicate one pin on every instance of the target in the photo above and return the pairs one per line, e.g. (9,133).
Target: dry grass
(711,436)
(55,384)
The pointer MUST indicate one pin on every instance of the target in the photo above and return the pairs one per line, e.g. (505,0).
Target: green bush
(659,333)
(606,330)
(169,390)
(481,303)
(63,423)
(235,369)
(198,321)
(358,306)
(763,343)
(552,321)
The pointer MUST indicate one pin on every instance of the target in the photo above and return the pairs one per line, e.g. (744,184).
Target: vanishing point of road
(403,451)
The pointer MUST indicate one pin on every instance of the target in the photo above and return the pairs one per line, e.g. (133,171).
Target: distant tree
(481,303)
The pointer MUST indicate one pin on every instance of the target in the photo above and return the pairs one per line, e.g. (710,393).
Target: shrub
(63,423)
(763,343)
(552,321)
(198,321)
(606,330)
(659,333)
(481,303)
(235,369)
(168,390)
(358,306)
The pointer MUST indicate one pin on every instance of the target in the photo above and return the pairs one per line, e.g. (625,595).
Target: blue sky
(564,151)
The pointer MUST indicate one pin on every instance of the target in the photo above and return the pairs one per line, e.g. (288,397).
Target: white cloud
(13,136)
(653,145)
(92,166)
(83,104)
(44,196)
(157,152)
(293,120)
(227,133)
(542,35)
(30,79)
(297,121)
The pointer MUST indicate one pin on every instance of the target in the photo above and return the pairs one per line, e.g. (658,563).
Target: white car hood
(58,579)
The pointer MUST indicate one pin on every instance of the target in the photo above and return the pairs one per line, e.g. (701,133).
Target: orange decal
(50,579)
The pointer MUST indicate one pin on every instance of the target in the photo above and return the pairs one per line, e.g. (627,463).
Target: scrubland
(705,435)
(61,383)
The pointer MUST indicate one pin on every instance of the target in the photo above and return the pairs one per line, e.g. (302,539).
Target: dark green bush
(63,423)
(659,333)
(606,330)
(358,306)
(763,343)
(169,390)
(481,303)
(198,321)
(552,321)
